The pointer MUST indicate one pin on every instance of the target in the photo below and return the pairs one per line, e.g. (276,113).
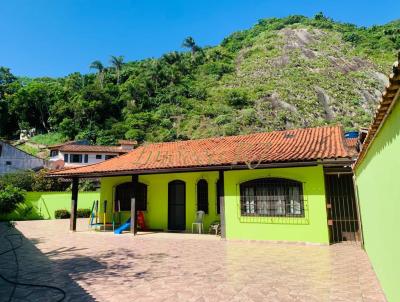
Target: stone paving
(94,266)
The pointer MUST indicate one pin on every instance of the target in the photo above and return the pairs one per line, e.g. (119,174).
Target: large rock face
(310,77)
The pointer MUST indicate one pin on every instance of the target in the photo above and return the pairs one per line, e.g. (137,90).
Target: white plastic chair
(198,222)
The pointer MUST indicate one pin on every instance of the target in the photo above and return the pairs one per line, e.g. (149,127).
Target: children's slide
(123,227)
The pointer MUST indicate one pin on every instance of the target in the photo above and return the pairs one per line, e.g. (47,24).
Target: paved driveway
(91,266)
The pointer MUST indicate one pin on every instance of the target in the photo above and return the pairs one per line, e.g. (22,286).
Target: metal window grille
(123,195)
(202,196)
(272,197)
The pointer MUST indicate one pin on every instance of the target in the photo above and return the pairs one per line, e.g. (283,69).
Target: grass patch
(51,138)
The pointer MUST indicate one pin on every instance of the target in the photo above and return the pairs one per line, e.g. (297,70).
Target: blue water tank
(351,134)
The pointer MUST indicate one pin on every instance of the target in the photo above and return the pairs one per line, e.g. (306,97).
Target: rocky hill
(281,73)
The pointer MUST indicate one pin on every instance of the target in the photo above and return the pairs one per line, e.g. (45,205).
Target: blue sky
(58,37)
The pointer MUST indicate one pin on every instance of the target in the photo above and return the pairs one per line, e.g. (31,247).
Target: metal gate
(342,209)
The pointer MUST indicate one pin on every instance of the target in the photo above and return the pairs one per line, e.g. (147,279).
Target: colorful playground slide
(123,227)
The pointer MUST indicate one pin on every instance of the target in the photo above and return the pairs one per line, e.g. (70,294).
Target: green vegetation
(80,213)
(281,73)
(83,213)
(51,138)
(31,181)
(10,198)
(29,149)
(62,214)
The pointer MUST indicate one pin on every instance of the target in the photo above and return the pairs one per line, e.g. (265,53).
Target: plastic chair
(198,222)
(215,227)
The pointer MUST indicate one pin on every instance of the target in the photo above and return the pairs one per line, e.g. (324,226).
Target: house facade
(377,174)
(13,160)
(263,186)
(75,154)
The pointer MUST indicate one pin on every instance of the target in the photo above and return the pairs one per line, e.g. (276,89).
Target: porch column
(74,204)
(222,203)
(135,181)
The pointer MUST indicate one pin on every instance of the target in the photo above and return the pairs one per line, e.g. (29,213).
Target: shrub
(237,98)
(352,37)
(31,181)
(10,198)
(22,180)
(62,214)
(41,183)
(83,213)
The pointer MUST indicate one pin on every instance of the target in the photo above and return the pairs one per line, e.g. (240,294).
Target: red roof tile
(89,148)
(127,142)
(272,147)
(352,145)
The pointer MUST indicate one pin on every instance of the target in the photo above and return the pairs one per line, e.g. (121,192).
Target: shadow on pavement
(35,268)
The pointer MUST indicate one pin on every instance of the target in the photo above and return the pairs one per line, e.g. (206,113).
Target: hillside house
(13,159)
(80,153)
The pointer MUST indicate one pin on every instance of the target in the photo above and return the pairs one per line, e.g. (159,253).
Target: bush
(83,213)
(22,180)
(237,98)
(10,198)
(62,214)
(31,181)
(41,183)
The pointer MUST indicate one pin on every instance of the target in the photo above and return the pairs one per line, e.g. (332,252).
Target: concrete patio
(94,266)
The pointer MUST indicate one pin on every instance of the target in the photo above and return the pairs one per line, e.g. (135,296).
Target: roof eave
(333,161)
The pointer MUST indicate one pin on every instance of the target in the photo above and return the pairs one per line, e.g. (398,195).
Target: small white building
(13,159)
(75,154)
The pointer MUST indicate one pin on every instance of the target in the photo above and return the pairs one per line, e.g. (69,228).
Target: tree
(117,63)
(100,70)
(6,78)
(191,44)
(32,102)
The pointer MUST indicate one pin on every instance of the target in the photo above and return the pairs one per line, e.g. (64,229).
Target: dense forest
(281,73)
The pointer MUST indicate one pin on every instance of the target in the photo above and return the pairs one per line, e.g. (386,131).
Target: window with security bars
(202,196)
(272,197)
(123,195)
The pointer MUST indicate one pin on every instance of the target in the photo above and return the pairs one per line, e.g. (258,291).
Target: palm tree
(191,44)
(100,70)
(117,63)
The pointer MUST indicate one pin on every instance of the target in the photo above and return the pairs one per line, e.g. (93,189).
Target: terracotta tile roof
(89,148)
(62,144)
(352,144)
(127,142)
(389,97)
(272,147)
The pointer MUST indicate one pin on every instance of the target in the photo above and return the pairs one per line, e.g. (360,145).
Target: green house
(377,173)
(281,186)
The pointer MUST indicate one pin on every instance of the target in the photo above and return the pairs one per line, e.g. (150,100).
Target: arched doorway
(177,205)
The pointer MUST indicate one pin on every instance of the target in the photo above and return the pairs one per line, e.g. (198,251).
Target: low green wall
(41,205)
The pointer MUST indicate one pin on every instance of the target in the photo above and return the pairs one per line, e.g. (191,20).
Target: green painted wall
(312,228)
(378,185)
(41,205)
(156,216)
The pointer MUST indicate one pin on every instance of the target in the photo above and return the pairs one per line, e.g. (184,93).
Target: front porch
(290,205)
(102,267)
